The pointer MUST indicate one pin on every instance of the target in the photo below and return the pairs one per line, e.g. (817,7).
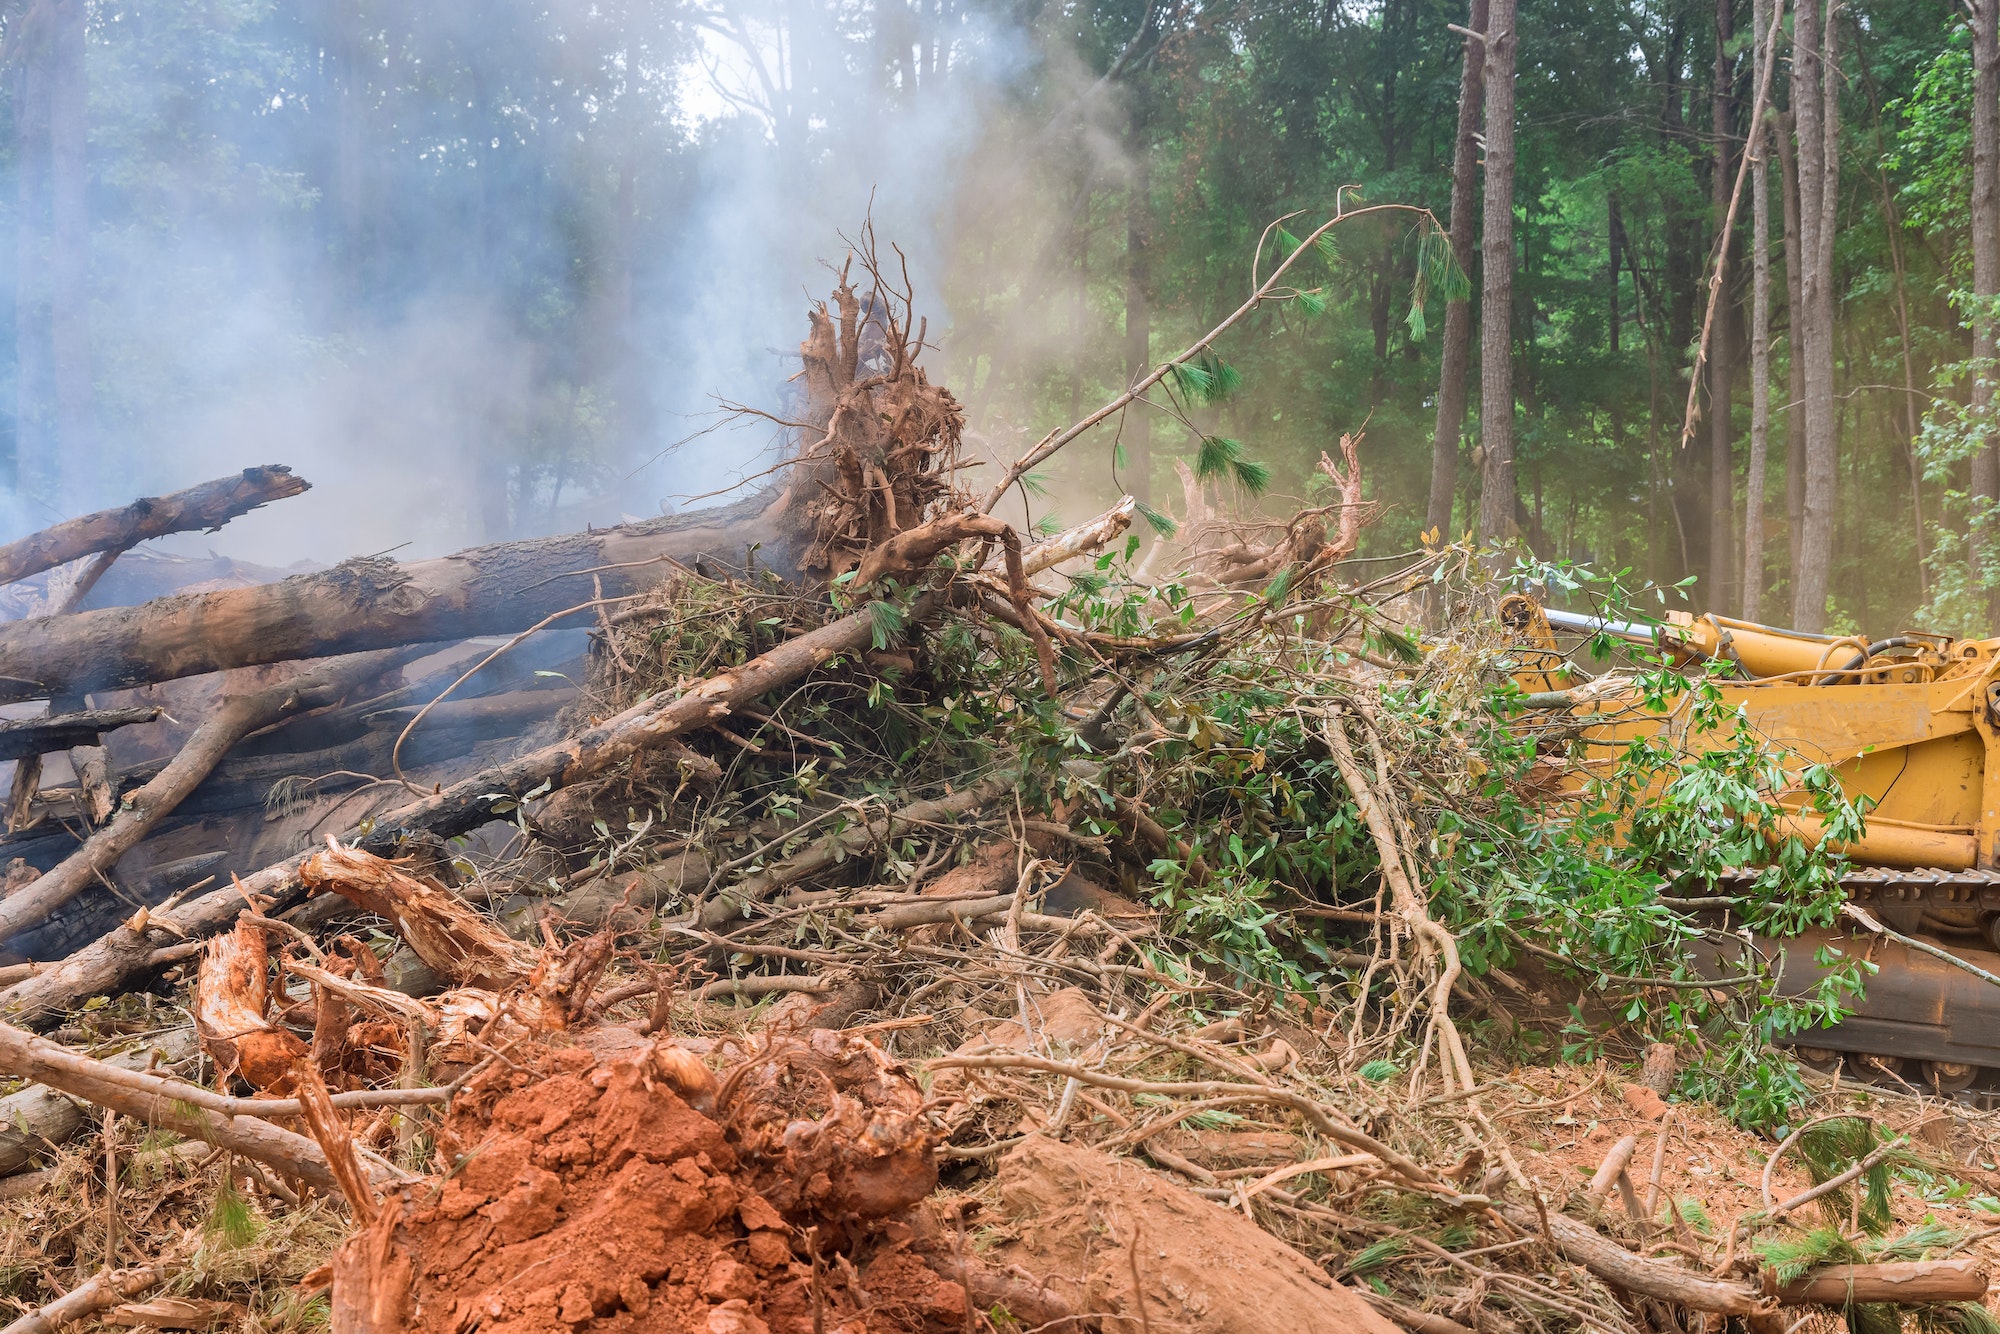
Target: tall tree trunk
(1816,106)
(1795,391)
(1457,351)
(1722,355)
(1985,260)
(35,464)
(1137,432)
(69,254)
(1496,324)
(1760,338)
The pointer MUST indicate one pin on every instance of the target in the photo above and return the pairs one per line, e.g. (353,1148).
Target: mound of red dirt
(639,1191)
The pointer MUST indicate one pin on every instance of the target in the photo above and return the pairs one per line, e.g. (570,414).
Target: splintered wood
(443,930)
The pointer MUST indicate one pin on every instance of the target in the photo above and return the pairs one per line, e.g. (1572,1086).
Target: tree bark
(371,603)
(1795,390)
(1496,368)
(1816,107)
(1985,480)
(20,738)
(1722,353)
(1907,1282)
(207,506)
(36,1118)
(1760,340)
(1456,354)
(159,1103)
(236,719)
(1136,431)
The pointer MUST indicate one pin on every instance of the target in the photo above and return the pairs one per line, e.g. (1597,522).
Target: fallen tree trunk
(26,1056)
(373,603)
(1907,1283)
(1635,1273)
(20,738)
(209,505)
(36,1118)
(236,719)
(124,953)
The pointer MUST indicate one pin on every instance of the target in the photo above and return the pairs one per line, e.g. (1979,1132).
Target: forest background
(496,267)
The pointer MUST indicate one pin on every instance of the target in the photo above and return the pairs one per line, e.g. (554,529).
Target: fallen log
(20,738)
(166,1105)
(144,809)
(372,603)
(209,506)
(1908,1283)
(37,1117)
(101,1292)
(92,913)
(124,953)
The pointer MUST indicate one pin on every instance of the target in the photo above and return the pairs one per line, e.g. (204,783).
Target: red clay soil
(636,1191)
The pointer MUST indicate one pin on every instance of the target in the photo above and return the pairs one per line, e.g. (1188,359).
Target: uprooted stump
(636,1191)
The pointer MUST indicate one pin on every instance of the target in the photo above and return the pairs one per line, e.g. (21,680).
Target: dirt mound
(1106,1230)
(638,1191)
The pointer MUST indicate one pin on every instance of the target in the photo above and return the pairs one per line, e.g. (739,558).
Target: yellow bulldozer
(1910,723)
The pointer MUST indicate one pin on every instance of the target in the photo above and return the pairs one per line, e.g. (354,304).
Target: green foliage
(232,1220)
(885,623)
(1834,1146)
(1242,773)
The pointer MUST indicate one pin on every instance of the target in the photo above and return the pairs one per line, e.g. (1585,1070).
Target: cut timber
(372,603)
(144,809)
(20,738)
(1909,1283)
(1110,1234)
(232,1012)
(209,505)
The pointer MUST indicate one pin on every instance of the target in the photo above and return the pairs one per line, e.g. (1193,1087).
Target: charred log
(39,736)
(209,505)
(372,603)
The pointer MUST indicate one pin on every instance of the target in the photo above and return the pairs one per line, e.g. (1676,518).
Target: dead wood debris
(787,982)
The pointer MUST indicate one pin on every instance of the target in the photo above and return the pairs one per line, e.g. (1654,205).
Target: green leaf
(1279,588)
(1157,521)
(1377,1071)
(1328,251)
(1313,301)
(1192,380)
(1287,243)
(1252,477)
(885,623)
(1375,1255)
(1217,454)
